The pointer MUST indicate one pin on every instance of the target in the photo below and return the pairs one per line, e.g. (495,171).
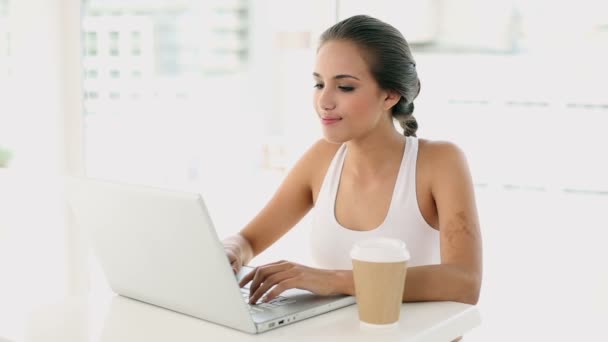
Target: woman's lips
(329,121)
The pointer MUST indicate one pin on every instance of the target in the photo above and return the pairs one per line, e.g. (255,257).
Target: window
(136,43)
(164,80)
(91,74)
(91,95)
(114,43)
(90,43)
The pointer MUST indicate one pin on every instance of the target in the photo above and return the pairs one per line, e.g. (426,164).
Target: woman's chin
(333,138)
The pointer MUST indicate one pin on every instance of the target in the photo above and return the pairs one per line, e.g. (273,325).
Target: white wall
(41,111)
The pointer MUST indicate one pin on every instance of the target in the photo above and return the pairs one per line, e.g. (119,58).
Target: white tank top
(331,242)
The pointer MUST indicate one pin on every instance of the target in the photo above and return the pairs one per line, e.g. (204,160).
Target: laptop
(160,247)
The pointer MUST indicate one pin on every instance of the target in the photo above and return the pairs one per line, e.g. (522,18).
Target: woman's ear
(391,98)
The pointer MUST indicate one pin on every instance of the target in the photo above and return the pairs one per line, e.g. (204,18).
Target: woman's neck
(374,153)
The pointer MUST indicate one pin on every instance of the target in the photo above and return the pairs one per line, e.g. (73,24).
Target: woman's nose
(326,100)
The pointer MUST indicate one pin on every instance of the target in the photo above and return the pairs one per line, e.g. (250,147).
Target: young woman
(365,179)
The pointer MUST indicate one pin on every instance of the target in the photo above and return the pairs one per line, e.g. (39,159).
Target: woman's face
(347,99)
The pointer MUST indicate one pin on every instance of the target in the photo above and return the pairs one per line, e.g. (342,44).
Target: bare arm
(458,277)
(289,204)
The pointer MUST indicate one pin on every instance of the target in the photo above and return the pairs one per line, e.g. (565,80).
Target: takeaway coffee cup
(379,270)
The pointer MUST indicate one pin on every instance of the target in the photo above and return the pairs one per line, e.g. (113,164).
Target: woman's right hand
(234,257)
(238,250)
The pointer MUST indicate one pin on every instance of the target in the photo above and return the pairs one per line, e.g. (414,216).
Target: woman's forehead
(340,57)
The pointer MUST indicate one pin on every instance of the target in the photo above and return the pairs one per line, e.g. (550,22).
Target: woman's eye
(346,89)
(318,86)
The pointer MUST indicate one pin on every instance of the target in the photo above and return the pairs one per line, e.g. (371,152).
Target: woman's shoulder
(321,153)
(438,147)
(316,160)
(439,153)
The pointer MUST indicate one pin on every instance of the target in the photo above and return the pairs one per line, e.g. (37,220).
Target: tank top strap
(405,186)
(329,187)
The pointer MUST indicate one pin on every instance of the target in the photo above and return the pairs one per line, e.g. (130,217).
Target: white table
(116,318)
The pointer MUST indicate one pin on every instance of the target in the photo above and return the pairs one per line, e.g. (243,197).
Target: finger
(269,283)
(283,286)
(251,274)
(247,278)
(265,272)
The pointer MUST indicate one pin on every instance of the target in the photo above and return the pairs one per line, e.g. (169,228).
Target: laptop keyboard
(262,307)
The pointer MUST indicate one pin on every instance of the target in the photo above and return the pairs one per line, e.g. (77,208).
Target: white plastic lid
(380,250)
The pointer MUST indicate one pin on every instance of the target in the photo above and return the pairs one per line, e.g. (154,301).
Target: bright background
(215,97)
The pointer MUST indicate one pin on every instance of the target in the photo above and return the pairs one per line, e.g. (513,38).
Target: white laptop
(160,247)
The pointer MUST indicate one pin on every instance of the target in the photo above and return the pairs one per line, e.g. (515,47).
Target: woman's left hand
(288,275)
